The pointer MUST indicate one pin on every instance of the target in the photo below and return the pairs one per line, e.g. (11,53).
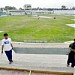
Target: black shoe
(72,65)
(10,62)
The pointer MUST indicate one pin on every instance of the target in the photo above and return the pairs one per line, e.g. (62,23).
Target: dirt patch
(1,31)
(71,25)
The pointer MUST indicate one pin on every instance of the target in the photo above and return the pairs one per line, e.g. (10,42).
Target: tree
(73,8)
(38,8)
(63,7)
(1,9)
(10,8)
(21,9)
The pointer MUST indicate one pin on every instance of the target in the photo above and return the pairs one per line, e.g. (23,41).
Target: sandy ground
(71,25)
(1,31)
(41,16)
(44,17)
(73,19)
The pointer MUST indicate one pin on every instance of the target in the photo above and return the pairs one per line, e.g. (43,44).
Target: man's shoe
(11,62)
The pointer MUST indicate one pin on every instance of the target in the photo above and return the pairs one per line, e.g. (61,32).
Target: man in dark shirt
(71,56)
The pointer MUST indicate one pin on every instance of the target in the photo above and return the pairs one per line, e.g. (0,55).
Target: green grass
(27,27)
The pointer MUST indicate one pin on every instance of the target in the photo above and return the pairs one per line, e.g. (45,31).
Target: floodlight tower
(27,8)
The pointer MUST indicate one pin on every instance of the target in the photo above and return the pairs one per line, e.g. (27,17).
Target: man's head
(5,35)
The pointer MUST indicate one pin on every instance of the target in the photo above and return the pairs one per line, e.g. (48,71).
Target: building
(16,12)
(41,12)
(26,12)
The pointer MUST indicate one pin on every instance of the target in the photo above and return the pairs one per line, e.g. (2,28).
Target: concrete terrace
(48,62)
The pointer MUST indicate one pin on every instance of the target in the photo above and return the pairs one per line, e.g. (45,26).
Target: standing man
(7,47)
(71,56)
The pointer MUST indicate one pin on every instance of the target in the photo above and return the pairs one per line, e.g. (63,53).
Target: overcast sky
(38,3)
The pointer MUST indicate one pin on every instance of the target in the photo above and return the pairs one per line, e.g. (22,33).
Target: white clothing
(7,44)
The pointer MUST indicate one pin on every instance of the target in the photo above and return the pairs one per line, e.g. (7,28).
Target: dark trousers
(9,55)
(71,59)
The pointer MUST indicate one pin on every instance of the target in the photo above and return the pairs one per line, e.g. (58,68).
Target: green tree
(63,7)
(10,8)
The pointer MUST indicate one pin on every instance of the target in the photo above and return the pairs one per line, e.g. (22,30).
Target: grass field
(27,27)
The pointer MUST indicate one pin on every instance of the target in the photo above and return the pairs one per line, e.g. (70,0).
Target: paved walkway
(37,62)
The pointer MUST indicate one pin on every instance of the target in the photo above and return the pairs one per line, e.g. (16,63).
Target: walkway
(37,62)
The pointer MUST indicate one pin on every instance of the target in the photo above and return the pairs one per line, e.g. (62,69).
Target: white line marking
(30,72)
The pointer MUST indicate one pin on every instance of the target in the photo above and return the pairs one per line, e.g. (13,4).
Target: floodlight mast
(24,9)
(27,8)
